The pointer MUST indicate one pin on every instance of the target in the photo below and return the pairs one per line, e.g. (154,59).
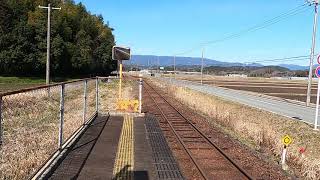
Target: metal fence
(37,122)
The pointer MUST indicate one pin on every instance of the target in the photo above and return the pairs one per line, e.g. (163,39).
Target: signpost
(286,140)
(317,72)
(119,54)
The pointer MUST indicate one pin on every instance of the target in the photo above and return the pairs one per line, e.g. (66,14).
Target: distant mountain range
(294,67)
(149,60)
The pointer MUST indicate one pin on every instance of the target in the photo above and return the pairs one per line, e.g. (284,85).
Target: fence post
(140,95)
(85,101)
(0,120)
(97,95)
(61,115)
(48,90)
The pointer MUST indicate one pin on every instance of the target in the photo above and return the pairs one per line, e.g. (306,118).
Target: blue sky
(168,27)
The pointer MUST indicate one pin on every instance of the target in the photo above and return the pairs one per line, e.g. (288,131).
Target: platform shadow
(78,154)
(125,173)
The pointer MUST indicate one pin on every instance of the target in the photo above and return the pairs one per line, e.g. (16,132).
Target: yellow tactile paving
(124,162)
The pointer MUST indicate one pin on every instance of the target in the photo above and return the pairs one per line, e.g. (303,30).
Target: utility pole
(315,24)
(202,66)
(158,63)
(48,40)
(174,66)
(131,65)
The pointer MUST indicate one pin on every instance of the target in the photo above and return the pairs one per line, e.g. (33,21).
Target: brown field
(288,89)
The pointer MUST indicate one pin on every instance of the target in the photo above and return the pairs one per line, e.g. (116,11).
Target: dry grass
(73,116)
(30,133)
(109,93)
(30,124)
(259,129)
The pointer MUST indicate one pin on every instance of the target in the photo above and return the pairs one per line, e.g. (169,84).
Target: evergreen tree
(80,42)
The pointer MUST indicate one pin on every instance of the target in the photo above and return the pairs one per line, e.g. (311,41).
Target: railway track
(209,160)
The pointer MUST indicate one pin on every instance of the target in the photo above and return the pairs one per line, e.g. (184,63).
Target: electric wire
(264,24)
(284,59)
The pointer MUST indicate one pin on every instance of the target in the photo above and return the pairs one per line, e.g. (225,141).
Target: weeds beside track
(207,157)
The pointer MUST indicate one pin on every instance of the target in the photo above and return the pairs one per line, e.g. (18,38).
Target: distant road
(279,106)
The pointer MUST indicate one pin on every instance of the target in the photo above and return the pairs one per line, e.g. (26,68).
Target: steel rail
(179,138)
(244,172)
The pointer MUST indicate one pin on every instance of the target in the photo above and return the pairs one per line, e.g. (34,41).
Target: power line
(251,29)
(254,28)
(284,59)
(294,58)
(315,25)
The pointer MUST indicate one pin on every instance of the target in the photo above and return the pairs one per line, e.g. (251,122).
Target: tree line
(81,43)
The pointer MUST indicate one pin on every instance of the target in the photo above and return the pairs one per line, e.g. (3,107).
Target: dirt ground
(288,89)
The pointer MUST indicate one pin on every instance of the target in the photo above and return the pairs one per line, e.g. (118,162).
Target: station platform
(119,147)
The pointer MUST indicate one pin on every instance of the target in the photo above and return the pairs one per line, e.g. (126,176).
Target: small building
(237,75)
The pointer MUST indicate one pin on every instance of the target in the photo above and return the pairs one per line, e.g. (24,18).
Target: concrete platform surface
(119,147)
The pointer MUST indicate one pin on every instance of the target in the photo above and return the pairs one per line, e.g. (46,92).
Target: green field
(15,83)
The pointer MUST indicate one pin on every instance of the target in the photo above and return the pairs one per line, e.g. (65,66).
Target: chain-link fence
(39,122)
(36,123)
